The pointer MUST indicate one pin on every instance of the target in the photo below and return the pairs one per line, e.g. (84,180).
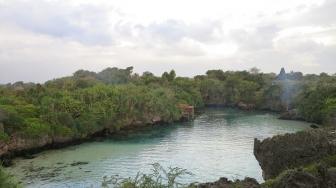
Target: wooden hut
(188,111)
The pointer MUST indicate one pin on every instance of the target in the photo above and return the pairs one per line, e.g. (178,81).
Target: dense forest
(89,102)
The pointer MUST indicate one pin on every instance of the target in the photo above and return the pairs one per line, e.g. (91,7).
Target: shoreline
(63,142)
(7,158)
(125,132)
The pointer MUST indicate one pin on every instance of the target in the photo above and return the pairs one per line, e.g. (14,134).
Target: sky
(45,39)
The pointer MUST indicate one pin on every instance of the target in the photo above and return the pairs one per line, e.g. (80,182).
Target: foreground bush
(159,178)
(6,181)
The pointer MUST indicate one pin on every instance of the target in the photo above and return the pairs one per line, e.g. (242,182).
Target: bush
(7,181)
(35,128)
(3,136)
(159,178)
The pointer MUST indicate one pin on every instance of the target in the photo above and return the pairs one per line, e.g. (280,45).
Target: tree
(254,70)
(216,74)
(115,75)
(169,76)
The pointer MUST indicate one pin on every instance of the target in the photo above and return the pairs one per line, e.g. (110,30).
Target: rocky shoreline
(289,151)
(283,158)
(305,159)
(19,146)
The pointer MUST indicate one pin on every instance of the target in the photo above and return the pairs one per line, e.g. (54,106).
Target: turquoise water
(217,143)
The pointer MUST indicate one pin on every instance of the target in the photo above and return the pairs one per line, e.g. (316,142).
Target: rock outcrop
(288,151)
(322,177)
(18,145)
(225,183)
(21,145)
(291,115)
(297,179)
(244,106)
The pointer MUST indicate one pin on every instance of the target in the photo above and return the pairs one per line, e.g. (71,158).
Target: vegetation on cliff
(319,174)
(89,102)
(302,159)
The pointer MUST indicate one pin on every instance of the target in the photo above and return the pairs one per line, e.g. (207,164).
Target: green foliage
(159,178)
(313,169)
(88,102)
(115,75)
(276,181)
(317,101)
(169,76)
(35,127)
(4,136)
(7,181)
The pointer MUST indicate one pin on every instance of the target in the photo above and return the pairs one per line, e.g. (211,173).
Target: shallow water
(217,143)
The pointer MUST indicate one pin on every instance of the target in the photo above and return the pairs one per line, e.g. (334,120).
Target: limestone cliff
(288,151)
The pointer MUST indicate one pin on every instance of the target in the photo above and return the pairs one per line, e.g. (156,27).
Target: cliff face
(288,151)
(19,145)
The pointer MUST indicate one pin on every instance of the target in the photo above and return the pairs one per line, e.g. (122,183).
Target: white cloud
(43,39)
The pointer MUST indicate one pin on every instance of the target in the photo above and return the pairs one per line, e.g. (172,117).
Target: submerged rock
(28,156)
(288,151)
(79,163)
(314,126)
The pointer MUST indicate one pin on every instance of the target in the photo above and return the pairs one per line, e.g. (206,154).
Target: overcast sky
(45,39)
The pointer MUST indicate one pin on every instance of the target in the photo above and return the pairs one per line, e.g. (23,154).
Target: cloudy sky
(44,39)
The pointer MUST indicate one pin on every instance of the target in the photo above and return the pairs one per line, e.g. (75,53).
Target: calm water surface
(218,143)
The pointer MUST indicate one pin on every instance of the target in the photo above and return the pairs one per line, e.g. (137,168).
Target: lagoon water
(217,143)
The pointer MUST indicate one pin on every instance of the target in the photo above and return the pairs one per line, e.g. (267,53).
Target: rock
(19,144)
(225,183)
(330,180)
(79,163)
(324,177)
(28,156)
(297,179)
(314,126)
(244,106)
(291,115)
(156,119)
(6,162)
(288,151)
(61,139)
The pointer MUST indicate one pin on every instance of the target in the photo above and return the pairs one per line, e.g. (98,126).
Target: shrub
(159,178)
(7,181)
